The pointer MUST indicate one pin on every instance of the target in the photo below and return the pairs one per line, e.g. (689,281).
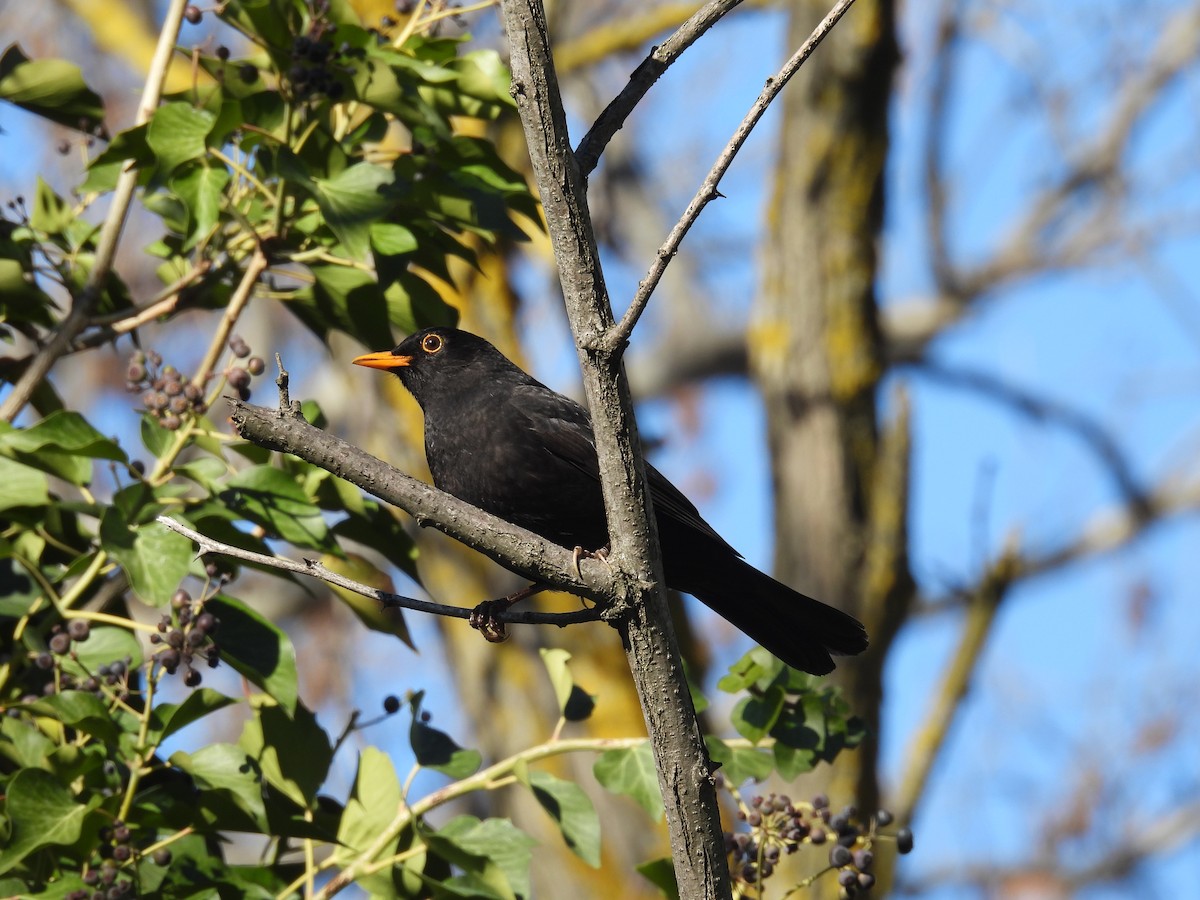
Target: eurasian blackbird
(501,440)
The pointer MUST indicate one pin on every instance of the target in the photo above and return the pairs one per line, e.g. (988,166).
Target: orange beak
(384,359)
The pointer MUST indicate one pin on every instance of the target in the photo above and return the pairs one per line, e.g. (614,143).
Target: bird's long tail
(803,632)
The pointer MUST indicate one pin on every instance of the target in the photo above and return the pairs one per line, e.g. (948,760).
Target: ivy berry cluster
(187,633)
(779,826)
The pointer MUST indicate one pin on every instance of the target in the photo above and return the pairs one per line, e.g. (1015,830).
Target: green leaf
(62,433)
(392,240)
(574,703)
(661,873)
(201,188)
(42,813)
(631,772)
(81,710)
(155,558)
(436,750)
(376,527)
(257,648)
(412,304)
(230,772)
(499,840)
(50,213)
(757,668)
(755,715)
(169,718)
(105,644)
(51,88)
(369,811)
(21,485)
(292,749)
(352,200)
(571,810)
(373,614)
(343,298)
(177,134)
(271,498)
(740,764)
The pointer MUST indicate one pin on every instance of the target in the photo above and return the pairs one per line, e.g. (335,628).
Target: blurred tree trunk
(815,345)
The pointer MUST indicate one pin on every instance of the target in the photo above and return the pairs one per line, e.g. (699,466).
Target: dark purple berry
(866,880)
(391,704)
(884,818)
(238,378)
(863,859)
(60,644)
(193,15)
(255,365)
(248,73)
(162,857)
(904,840)
(206,623)
(171,422)
(79,630)
(192,678)
(820,802)
(175,638)
(223,53)
(839,856)
(121,852)
(138,467)
(239,347)
(848,878)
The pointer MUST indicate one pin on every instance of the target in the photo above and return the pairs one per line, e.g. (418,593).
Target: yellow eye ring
(432,343)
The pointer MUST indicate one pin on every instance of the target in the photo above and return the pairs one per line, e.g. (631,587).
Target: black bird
(503,441)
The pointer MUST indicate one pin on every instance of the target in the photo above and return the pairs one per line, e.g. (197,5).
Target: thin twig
(106,249)
(315,569)
(241,296)
(609,122)
(619,334)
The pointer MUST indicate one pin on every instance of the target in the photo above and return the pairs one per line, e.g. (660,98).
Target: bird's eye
(432,343)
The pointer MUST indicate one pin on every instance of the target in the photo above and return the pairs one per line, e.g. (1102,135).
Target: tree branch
(315,569)
(110,234)
(684,770)
(619,335)
(515,548)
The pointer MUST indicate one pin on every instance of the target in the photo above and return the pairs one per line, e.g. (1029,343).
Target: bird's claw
(485,618)
(580,554)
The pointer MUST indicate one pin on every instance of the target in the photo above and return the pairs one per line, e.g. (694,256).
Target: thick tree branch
(515,548)
(684,773)
(110,234)
(315,569)
(618,336)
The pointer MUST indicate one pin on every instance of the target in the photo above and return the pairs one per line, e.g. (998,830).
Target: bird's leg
(485,618)
(579,553)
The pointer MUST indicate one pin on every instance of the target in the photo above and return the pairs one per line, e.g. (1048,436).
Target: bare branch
(609,121)
(619,335)
(315,569)
(110,234)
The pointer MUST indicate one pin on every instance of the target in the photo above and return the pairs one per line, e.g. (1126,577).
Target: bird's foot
(580,554)
(485,618)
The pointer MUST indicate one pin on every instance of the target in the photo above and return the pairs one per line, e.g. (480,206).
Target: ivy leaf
(81,710)
(385,619)
(499,840)
(351,201)
(169,718)
(372,808)
(632,772)
(21,485)
(42,813)
(63,444)
(574,703)
(51,88)
(155,558)
(201,188)
(271,498)
(436,750)
(177,134)
(105,644)
(661,873)
(571,810)
(755,715)
(740,764)
(256,648)
(232,776)
(292,749)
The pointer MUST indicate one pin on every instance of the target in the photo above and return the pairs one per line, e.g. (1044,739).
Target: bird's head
(441,362)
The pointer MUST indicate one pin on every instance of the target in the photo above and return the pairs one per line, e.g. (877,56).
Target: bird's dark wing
(565,429)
